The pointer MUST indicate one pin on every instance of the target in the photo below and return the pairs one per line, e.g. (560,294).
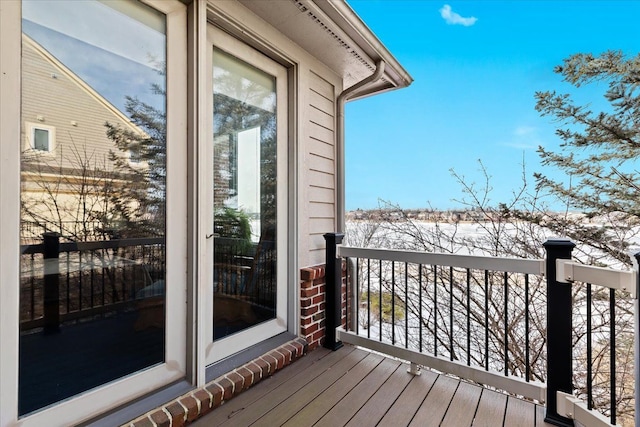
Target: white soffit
(333,33)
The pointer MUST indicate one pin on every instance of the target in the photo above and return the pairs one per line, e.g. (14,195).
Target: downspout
(340,170)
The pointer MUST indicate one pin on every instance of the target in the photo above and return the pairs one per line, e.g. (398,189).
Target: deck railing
(77,280)
(501,322)
(68,281)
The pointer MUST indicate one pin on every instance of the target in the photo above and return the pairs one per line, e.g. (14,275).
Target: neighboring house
(274,76)
(66,150)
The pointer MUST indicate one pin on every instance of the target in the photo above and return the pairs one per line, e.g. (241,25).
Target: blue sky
(476,65)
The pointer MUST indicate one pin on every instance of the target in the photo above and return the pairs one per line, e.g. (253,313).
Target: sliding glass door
(102,268)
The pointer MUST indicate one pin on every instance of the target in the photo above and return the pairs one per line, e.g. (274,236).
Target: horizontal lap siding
(320,165)
(321,134)
(59,101)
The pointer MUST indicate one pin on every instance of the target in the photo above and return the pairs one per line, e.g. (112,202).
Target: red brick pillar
(312,305)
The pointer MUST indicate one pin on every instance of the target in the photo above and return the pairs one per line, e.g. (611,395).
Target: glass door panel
(92,285)
(249,196)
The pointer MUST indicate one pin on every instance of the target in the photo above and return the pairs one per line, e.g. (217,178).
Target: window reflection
(93,170)
(244,117)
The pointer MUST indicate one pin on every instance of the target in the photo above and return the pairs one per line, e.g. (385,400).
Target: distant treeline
(447,216)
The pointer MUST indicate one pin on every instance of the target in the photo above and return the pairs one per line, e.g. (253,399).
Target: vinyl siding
(58,99)
(320,166)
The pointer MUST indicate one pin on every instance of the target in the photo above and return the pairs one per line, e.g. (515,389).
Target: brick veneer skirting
(312,305)
(201,401)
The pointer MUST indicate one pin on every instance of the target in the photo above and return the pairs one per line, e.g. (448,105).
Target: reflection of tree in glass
(85,196)
(232,115)
(141,210)
(77,202)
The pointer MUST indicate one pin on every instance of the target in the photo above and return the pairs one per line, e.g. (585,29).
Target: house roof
(63,69)
(335,34)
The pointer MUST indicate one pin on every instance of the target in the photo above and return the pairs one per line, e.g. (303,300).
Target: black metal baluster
(589,350)
(345,294)
(368,297)
(506,325)
(92,274)
(612,353)
(420,306)
(435,310)
(68,282)
(486,320)
(468,317)
(380,301)
(32,281)
(450,313)
(104,270)
(124,280)
(358,297)
(79,280)
(393,302)
(406,305)
(527,372)
(113,276)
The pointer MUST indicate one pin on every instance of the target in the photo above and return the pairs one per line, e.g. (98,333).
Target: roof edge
(349,21)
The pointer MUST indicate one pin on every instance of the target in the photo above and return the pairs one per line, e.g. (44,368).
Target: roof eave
(352,25)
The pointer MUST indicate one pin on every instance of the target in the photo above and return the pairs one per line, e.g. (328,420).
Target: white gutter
(357,30)
(340,170)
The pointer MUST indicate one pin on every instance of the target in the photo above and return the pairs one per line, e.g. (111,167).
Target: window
(40,137)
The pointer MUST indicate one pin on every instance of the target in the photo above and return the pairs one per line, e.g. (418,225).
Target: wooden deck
(354,387)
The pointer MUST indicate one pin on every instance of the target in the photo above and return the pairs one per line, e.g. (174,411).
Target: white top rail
(571,271)
(513,265)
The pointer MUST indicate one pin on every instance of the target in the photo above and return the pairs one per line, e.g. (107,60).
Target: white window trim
(99,400)
(30,128)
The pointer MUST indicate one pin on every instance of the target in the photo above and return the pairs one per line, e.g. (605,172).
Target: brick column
(312,305)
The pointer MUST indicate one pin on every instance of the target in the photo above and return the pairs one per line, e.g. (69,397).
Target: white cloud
(521,145)
(524,130)
(524,138)
(453,18)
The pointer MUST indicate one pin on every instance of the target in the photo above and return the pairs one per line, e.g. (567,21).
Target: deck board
(463,406)
(405,407)
(347,407)
(324,401)
(519,413)
(378,405)
(492,407)
(355,365)
(436,404)
(314,362)
(358,388)
(329,367)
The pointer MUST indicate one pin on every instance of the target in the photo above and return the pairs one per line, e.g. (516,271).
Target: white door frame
(227,346)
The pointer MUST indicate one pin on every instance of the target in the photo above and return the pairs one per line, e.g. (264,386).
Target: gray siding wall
(59,101)
(320,168)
